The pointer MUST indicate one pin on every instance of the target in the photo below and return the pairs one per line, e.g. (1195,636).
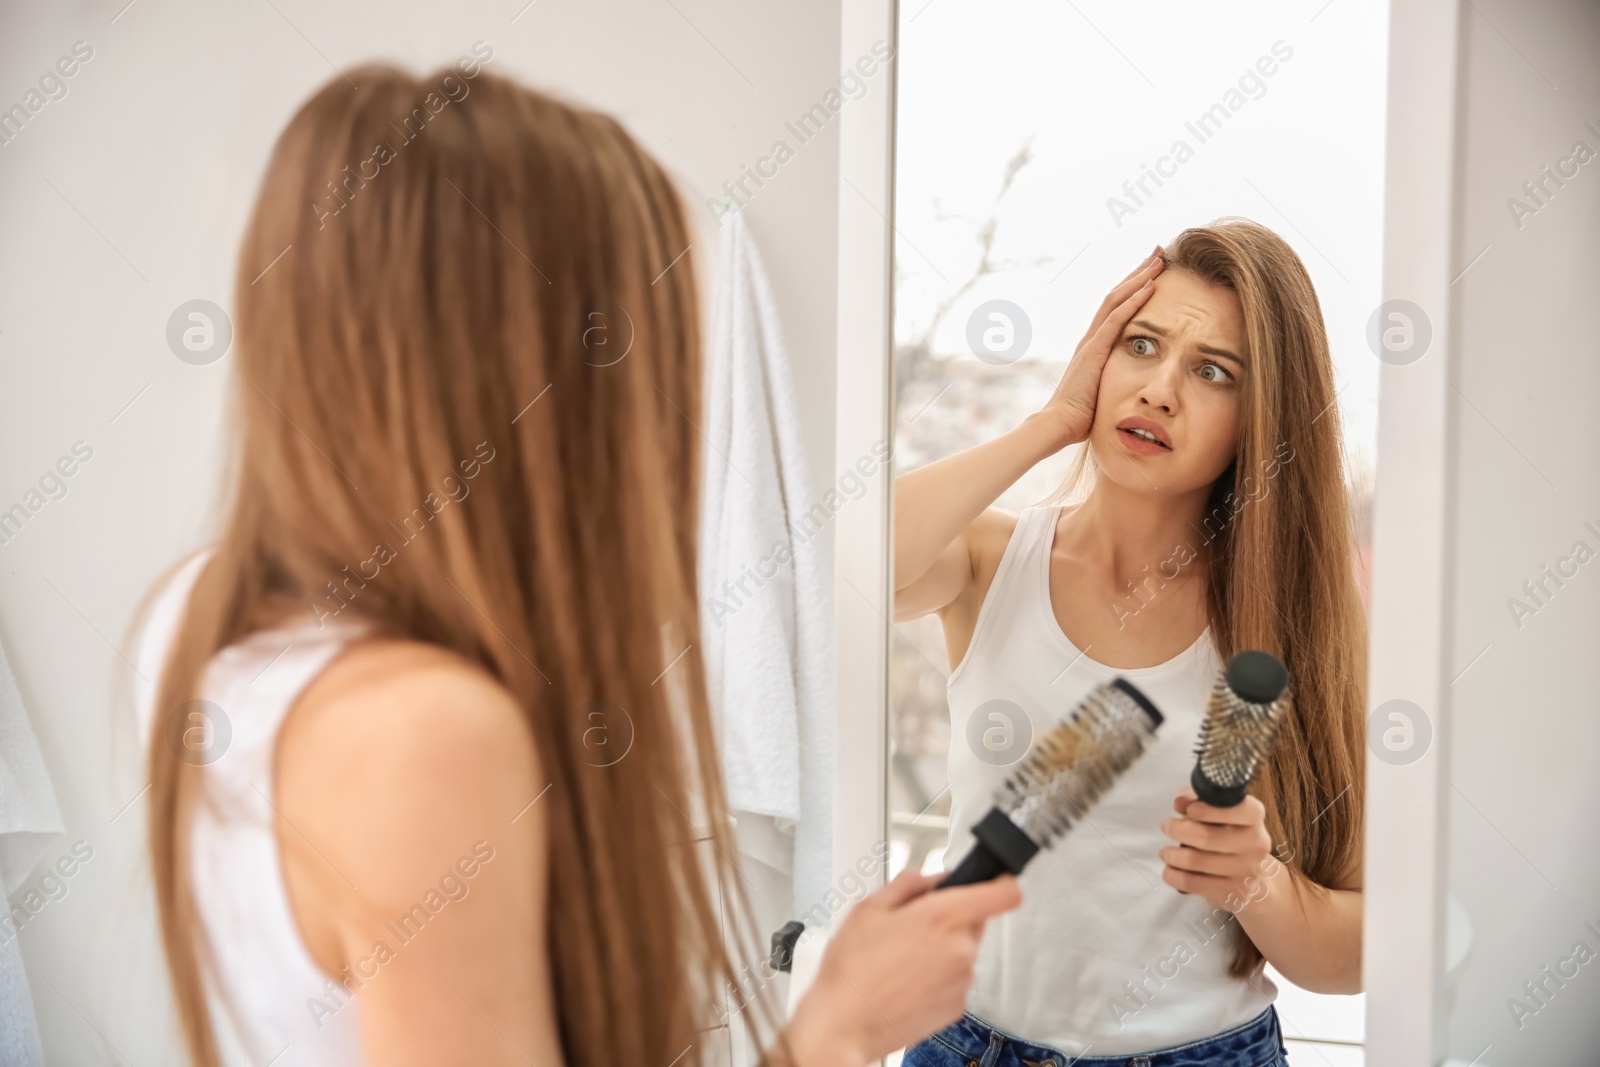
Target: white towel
(30,828)
(766,603)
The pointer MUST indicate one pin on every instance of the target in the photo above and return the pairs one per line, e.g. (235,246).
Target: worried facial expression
(1177,375)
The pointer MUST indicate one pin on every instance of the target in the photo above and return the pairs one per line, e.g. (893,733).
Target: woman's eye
(1219,375)
(1135,342)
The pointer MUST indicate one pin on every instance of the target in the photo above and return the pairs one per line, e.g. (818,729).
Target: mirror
(1040,152)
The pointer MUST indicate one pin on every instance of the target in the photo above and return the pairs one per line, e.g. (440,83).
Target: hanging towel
(765,599)
(30,829)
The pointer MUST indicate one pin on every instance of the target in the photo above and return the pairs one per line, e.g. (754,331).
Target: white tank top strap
(281,1007)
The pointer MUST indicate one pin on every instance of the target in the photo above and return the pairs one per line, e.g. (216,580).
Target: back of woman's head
(466,385)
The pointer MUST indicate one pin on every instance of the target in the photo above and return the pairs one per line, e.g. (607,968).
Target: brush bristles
(1236,736)
(1069,768)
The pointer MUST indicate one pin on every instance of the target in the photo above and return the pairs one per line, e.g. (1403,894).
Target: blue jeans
(971,1042)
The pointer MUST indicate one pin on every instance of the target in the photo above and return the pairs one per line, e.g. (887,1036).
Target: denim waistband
(1250,1044)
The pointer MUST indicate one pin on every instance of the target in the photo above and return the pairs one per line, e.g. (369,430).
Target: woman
(1216,521)
(433,778)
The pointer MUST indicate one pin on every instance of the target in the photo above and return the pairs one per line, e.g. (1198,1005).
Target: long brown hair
(1278,547)
(435,263)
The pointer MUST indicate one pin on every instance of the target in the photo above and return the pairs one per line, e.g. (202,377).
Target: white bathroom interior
(1021,151)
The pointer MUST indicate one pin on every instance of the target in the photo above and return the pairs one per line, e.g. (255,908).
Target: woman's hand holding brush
(900,966)
(897,969)
(1221,853)
(1223,845)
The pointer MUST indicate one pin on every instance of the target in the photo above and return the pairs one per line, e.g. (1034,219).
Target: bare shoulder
(417,706)
(987,538)
(398,758)
(390,678)
(409,784)
(990,532)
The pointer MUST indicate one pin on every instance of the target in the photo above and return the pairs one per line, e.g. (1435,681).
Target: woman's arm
(415,856)
(1310,933)
(935,505)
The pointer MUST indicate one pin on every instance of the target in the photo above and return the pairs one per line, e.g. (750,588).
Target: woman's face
(1177,372)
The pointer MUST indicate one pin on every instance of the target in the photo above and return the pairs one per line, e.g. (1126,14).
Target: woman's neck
(1119,532)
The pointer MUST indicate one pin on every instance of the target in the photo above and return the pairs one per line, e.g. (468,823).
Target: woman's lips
(1134,443)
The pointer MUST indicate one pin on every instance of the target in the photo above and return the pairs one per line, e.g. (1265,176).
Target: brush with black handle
(1242,718)
(1058,781)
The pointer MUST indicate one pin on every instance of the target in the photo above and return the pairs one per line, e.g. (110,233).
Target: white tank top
(281,1007)
(1103,957)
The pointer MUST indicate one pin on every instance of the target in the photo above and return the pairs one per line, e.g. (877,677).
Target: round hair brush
(1063,775)
(1242,717)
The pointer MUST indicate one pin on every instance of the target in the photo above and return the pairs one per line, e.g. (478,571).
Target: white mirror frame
(1405,860)
(862,595)
(1407,865)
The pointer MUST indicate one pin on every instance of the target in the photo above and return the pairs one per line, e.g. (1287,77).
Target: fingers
(1120,295)
(978,902)
(1152,266)
(905,886)
(1082,376)
(1144,264)
(1199,861)
(1097,345)
(1209,837)
(1117,319)
(1087,364)
(1247,812)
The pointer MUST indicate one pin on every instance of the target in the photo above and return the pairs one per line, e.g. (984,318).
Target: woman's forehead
(1194,310)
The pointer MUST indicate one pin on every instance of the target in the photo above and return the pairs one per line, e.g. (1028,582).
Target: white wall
(1524,797)
(126,198)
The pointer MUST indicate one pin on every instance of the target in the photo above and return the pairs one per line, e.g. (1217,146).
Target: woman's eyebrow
(1210,350)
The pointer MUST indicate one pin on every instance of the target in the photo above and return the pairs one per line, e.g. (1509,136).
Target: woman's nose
(1161,389)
